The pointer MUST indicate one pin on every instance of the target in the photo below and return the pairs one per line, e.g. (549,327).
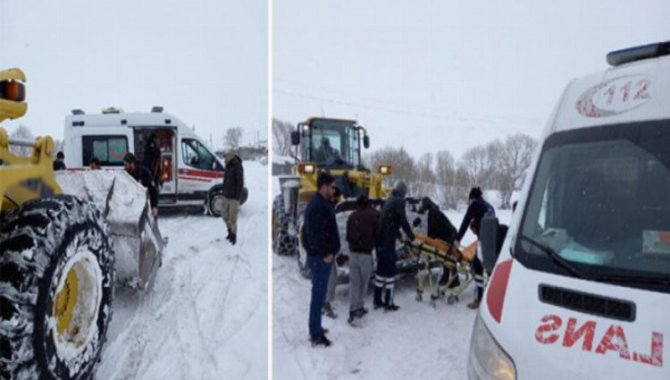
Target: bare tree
(445,176)
(403,167)
(281,138)
(425,176)
(474,165)
(232,137)
(494,173)
(21,132)
(514,162)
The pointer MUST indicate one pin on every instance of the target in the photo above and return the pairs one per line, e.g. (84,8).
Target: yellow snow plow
(64,242)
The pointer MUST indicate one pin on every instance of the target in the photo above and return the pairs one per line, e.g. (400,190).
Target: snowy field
(206,317)
(415,342)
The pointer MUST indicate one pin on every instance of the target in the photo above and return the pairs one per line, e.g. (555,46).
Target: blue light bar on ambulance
(619,57)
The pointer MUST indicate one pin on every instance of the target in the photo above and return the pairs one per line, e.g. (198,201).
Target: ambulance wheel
(215,202)
(57,287)
(245,196)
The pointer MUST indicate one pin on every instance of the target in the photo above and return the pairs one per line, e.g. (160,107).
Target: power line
(455,116)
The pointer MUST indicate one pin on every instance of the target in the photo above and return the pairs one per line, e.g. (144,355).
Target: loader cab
(331,143)
(186,171)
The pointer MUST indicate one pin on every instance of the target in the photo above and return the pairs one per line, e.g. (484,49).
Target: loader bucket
(136,240)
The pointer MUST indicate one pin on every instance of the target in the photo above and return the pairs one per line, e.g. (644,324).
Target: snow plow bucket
(136,240)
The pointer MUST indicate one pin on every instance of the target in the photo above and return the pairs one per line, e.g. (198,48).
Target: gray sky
(206,62)
(432,75)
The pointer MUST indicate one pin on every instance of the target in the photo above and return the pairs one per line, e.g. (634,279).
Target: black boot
(233,239)
(228,236)
(388,302)
(377,300)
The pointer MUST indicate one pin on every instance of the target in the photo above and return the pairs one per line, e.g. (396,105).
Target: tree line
(499,165)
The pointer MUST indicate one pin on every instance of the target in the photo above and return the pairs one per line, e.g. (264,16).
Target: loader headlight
(12,90)
(307,168)
(385,169)
(487,360)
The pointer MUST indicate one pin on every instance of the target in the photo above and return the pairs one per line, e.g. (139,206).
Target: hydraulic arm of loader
(22,178)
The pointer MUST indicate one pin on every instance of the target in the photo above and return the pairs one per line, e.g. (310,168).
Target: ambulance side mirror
(487,240)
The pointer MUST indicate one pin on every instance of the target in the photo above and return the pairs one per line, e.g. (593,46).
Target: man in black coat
(322,242)
(143,176)
(233,184)
(477,209)
(393,217)
(440,227)
(59,163)
(362,226)
(152,157)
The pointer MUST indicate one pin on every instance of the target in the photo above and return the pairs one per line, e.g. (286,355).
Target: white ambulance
(187,171)
(581,289)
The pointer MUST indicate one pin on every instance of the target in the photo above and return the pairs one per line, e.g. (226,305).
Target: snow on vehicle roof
(630,92)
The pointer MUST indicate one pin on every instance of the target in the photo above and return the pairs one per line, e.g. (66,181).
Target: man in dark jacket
(393,217)
(328,309)
(152,157)
(233,183)
(59,163)
(440,227)
(362,227)
(322,243)
(143,176)
(477,209)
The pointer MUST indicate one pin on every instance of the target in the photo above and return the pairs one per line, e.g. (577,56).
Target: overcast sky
(432,75)
(205,62)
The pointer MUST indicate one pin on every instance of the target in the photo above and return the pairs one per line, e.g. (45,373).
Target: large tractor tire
(56,289)
(282,242)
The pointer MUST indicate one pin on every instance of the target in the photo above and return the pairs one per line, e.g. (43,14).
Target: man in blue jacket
(322,242)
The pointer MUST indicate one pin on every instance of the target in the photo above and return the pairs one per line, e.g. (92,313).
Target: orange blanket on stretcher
(467,254)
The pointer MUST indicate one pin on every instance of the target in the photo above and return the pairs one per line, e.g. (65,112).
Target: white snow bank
(206,317)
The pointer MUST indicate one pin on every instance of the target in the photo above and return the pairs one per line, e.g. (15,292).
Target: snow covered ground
(206,317)
(416,342)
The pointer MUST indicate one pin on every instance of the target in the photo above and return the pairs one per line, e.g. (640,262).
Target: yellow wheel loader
(64,243)
(334,146)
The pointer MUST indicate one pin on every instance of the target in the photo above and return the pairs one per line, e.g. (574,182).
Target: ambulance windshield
(601,200)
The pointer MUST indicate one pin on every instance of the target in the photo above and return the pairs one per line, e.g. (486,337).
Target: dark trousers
(478,270)
(320,274)
(386,259)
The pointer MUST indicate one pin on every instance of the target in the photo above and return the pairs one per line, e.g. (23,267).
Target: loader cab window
(331,144)
(354,144)
(109,150)
(601,201)
(196,155)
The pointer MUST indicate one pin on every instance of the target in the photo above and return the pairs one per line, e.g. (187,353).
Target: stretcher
(436,257)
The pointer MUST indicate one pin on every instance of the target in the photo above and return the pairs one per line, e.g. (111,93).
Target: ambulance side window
(197,156)
(109,149)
